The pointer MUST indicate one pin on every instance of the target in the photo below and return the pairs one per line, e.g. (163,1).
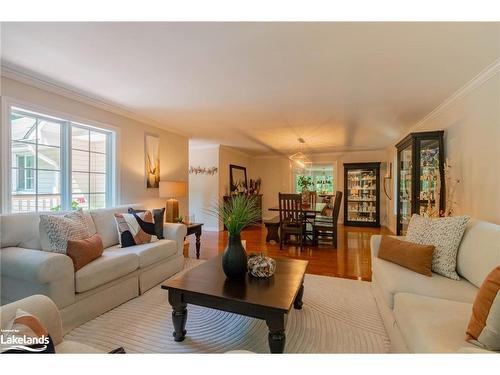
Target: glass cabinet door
(361,195)
(405,188)
(429,185)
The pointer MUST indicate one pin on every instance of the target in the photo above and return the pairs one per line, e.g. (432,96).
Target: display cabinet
(420,179)
(362,194)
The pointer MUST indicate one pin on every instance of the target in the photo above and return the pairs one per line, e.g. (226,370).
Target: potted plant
(236,214)
(304,182)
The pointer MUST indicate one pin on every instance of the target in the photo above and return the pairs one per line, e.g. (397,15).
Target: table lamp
(172,190)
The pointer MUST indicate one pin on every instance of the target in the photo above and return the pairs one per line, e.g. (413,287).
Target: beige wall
(173,147)
(204,189)
(472,142)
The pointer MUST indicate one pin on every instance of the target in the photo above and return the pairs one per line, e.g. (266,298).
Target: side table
(195,228)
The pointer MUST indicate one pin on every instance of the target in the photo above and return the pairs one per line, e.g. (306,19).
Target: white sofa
(430,314)
(119,275)
(47,312)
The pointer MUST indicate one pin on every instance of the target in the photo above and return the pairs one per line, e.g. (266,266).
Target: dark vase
(234,259)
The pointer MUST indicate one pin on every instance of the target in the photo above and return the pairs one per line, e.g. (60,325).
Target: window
(319,178)
(58,164)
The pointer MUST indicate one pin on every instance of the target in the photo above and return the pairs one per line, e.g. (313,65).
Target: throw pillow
(56,230)
(130,231)
(26,334)
(82,252)
(445,233)
(484,324)
(158,218)
(413,256)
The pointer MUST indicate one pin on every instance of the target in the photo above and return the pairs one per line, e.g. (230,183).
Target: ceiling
(260,86)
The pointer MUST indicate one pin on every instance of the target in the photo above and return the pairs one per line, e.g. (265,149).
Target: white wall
(204,189)
(227,156)
(173,147)
(471,121)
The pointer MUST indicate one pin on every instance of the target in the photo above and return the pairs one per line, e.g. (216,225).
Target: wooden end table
(267,299)
(195,228)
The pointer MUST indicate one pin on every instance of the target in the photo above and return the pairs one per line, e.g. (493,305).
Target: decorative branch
(203,170)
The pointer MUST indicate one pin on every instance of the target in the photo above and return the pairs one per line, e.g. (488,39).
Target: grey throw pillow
(56,230)
(445,234)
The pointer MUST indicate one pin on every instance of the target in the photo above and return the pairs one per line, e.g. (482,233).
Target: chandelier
(299,159)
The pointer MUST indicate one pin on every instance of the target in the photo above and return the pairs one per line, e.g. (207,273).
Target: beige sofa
(119,275)
(48,314)
(430,314)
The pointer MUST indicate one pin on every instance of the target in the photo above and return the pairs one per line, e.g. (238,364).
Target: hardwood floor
(350,260)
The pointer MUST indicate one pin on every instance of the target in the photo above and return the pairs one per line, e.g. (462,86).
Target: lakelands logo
(11,339)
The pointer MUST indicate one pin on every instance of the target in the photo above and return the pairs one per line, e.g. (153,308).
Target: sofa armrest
(375,243)
(34,265)
(176,232)
(40,306)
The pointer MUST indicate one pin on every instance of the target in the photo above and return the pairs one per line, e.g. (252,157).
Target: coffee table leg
(179,314)
(297,304)
(198,244)
(276,337)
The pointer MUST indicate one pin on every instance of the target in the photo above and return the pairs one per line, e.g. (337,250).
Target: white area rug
(338,316)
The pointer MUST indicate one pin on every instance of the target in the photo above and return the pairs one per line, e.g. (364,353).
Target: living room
(269,187)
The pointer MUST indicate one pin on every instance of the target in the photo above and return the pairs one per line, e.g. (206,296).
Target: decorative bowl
(261,266)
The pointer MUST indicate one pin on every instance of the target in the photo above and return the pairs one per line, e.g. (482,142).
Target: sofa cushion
(108,267)
(148,253)
(20,230)
(431,325)
(484,324)
(105,224)
(393,279)
(479,251)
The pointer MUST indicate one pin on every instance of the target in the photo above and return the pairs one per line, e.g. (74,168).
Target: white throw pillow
(56,230)
(445,233)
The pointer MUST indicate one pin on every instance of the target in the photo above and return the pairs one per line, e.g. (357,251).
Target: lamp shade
(173,189)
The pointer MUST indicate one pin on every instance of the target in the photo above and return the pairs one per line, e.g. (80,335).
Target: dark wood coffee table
(267,299)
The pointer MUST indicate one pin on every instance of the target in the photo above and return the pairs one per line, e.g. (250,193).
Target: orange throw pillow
(484,324)
(410,255)
(82,252)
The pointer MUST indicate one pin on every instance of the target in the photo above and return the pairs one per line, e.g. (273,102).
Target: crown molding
(485,75)
(47,84)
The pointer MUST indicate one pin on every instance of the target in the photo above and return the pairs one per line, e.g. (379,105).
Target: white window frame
(113,177)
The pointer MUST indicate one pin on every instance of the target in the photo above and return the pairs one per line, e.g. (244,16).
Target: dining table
(313,209)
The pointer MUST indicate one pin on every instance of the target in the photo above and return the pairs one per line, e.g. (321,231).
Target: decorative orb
(261,266)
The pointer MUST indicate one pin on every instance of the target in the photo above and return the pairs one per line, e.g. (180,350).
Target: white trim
(48,84)
(485,75)
(5,162)
(5,145)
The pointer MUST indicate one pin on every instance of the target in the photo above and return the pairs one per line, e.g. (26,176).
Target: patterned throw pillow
(58,229)
(158,216)
(131,231)
(26,334)
(445,234)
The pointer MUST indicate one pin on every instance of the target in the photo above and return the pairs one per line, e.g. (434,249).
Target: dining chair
(326,226)
(310,216)
(291,218)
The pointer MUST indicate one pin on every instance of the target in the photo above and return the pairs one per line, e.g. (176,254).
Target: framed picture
(237,178)
(152,161)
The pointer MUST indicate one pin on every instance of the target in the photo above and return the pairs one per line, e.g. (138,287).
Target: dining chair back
(326,226)
(291,217)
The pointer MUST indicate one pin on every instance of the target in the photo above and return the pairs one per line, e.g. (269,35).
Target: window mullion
(66,165)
